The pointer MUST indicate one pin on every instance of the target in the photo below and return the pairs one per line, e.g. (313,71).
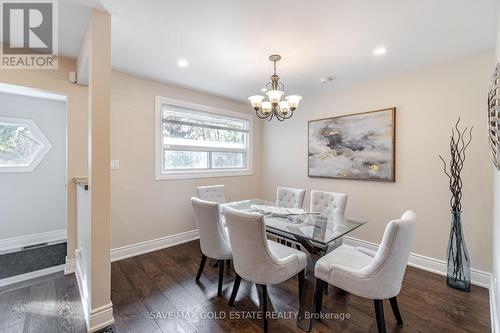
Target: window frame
(198,173)
(38,133)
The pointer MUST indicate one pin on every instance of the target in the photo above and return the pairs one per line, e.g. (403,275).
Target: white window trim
(193,174)
(39,135)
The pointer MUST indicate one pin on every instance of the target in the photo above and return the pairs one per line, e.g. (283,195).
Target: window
(22,145)
(194,141)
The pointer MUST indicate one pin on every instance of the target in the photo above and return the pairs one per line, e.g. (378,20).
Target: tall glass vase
(458,259)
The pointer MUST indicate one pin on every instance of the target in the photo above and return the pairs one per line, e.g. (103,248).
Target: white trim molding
(153,245)
(17,243)
(31,275)
(84,293)
(101,317)
(478,277)
(495,325)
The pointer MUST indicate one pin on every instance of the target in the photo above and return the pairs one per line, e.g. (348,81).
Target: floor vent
(34,246)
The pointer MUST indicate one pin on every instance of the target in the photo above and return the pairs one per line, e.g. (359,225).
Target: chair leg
(236,286)
(202,265)
(318,296)
(395,309)
(221,278)
(301,277)
(228,263)
(264,307)
(379,313)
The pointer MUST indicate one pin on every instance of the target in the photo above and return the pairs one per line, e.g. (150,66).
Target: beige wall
(428,102)
(57,81)
(142,208)
(99,157)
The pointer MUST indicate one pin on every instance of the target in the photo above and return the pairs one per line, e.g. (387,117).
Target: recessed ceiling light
(182,63)
(263,90)
(379,51)
(326,79)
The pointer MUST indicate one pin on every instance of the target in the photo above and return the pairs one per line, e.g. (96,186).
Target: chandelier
(275,107)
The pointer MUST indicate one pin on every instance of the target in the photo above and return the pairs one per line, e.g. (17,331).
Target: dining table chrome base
(307,307)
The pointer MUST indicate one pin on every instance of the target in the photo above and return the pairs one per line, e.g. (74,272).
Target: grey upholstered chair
(290,197)
(329,204)
(214,193)
(214,240)
(375,275)
(259,260)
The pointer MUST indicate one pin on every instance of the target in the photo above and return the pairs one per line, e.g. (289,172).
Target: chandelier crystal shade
(276,106)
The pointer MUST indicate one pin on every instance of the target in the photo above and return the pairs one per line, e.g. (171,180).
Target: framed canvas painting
(358,146)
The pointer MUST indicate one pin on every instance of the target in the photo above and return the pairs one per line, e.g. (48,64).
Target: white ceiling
(227,42)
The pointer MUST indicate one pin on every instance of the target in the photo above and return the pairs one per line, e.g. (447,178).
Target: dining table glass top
(312,226)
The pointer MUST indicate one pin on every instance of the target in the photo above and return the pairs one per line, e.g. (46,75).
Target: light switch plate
(115,164)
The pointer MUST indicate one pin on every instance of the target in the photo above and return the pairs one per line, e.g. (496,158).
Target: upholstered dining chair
(328,204)
(375,275)
(214,240)
(290,197)
(259,260)
(214,193)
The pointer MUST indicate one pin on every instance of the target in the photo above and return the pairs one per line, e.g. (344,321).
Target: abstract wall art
(357,146)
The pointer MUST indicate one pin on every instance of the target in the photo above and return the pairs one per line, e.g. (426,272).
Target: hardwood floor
(157,292)
(49,305)
(163,283)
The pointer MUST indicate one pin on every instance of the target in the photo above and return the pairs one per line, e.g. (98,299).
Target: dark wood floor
(161,284)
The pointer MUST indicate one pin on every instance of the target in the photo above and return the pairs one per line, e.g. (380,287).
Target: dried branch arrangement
(453,169)
(457,256)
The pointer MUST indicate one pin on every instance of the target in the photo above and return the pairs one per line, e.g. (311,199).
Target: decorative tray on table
(278,211)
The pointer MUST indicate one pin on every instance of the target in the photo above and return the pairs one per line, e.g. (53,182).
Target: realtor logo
(29,34)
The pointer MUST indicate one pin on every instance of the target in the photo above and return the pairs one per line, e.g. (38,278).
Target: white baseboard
(17,243)
(495,328)
(70,266)
(101,317)
(478,277)
(98,318)
(84,293)
(152,245)
(30,275)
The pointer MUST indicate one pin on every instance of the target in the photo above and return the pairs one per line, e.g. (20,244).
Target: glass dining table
(314,232)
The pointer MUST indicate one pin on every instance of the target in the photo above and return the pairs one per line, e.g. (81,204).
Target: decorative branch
(453,169)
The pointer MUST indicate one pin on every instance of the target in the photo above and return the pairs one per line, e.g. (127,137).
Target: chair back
(214,240)
(328,203)
(252,258)
(391,258)
(213,193)
(290,197)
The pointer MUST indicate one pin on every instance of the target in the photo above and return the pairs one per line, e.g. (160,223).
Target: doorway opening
(33,183)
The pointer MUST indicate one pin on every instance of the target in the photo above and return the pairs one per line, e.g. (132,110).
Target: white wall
(35,202)
(428,102)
